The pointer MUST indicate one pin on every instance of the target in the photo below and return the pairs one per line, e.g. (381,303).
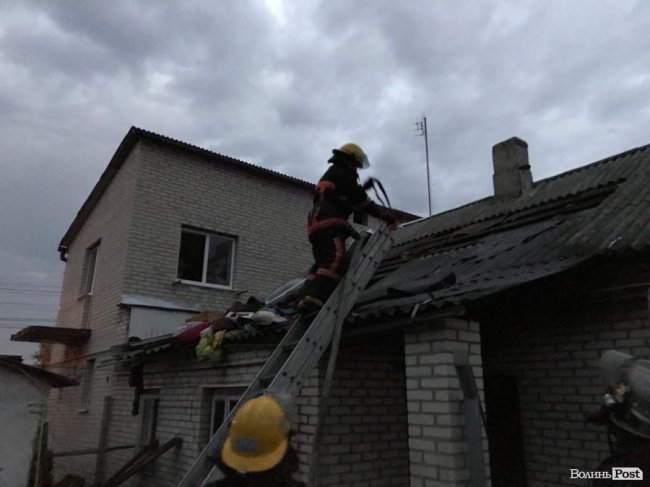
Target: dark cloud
(281,83)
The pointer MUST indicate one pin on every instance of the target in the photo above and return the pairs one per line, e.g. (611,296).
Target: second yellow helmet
(257,440)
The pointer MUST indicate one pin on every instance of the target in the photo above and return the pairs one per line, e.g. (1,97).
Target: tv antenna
(421,130)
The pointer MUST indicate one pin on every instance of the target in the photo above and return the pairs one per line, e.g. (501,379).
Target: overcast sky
(279,83)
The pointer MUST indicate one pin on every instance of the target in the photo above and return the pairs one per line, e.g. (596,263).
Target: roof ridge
(536,185)
(446,212)
(211,153)
(593,164)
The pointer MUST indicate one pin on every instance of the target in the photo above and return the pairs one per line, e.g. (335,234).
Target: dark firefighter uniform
(337,195)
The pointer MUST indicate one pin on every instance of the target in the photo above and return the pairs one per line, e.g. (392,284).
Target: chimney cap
(510,141)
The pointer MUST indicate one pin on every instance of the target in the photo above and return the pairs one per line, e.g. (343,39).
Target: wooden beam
(140,461)
(132,461)
(389,324)
(91,451)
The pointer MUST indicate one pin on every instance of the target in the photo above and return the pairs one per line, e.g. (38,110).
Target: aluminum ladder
(302,346)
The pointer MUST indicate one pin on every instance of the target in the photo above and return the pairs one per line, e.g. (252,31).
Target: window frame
(206,249)
(89,270)
(228,394)
(148,411)
(229,403)
(86,386)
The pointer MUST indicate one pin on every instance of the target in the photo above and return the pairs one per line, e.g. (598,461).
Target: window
(86,385)
(88,282)
(206,258)
(88,272)
(220,409)
(148,418)
(217,403)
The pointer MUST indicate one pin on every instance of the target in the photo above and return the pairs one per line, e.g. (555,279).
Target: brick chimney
(512,176)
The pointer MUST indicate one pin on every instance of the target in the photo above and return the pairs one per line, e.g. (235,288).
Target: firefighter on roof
(337,195)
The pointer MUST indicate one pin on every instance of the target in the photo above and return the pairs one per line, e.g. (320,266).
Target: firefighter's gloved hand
(597,417)
(368,183)
(390,217)
(353,232)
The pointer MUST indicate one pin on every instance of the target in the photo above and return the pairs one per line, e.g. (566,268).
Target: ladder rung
(213,455)
(290,345)
(267,379)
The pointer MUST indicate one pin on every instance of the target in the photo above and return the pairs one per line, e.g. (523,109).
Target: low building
(24,455)
(532,285)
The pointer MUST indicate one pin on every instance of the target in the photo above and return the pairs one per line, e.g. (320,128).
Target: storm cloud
(279,83)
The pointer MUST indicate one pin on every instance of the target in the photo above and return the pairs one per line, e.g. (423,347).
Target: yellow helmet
(357,153)
(257,440)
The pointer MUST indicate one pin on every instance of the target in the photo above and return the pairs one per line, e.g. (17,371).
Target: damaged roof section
(495,243)
(244,335)
(455,276)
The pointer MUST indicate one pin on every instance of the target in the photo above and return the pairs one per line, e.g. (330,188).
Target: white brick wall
(435,421)
(555,361)
(182,384)
(267,217)
(109,224)
(551,339)
(364,438)
(69,428)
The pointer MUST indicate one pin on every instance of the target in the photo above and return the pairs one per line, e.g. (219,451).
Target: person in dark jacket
(338,194)
(279,476)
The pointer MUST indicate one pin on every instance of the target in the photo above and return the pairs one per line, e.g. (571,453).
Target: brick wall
(554,359)
(364,438)
(365,434)
(435,420)
(182,385)
(548,339)
(267,218)
(109,225)
(70,427)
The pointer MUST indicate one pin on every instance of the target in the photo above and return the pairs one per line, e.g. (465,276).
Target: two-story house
(168,230)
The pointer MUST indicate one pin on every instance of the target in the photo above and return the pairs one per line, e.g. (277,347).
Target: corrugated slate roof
(491,245)
(152,346)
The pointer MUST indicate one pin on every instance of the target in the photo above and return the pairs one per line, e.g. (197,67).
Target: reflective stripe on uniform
(328,222)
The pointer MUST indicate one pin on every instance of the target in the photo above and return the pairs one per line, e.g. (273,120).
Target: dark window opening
(206,258)
(505,437)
